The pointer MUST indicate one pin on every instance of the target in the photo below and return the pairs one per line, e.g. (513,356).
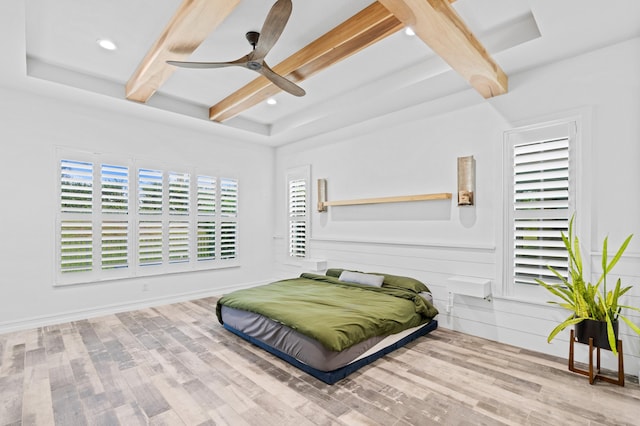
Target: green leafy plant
(587,300)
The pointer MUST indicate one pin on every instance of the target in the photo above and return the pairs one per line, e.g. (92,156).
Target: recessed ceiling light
(106,44)
(271,101)
(409,31)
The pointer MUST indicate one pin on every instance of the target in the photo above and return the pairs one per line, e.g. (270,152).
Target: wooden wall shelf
(398,199)
(323,204)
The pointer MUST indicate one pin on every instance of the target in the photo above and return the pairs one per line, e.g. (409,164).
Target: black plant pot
(597,330)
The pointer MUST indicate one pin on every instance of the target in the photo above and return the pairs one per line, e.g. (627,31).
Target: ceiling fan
(262,43)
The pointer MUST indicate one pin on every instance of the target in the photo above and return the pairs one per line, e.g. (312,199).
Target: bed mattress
(308,354)
(326,326)
(289,341)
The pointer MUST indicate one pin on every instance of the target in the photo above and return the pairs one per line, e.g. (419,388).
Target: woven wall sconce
(466,180)
(322,195)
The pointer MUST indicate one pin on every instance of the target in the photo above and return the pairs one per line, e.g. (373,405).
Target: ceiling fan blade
(272,28)
(238,62)
(280,81)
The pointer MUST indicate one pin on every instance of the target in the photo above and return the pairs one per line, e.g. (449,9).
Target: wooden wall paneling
(485,313)
(387,262)
(433,266)
(418,249)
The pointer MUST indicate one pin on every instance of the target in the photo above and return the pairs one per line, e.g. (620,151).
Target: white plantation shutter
(75,224)
(115,244)
(206,240)
(114,182)
(150,202)
(179,193)
(206,201)
(150,192)
(298,194)
(207,195)
(178,241)
(228,197)
(76,186)
(229,214)
(180,221)
(150,243)
(297,217)
(228,240)
(179,200)
(541,197)
(76,246)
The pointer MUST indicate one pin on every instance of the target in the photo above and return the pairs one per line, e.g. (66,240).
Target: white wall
(37,115)
(412,151)
(415,152)
(33,125)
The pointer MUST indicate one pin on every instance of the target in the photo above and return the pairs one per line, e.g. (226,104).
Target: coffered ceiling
(363,76)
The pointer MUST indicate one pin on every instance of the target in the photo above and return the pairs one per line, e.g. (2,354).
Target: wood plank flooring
(176,365)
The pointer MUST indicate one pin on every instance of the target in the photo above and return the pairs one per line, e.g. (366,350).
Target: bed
(330,325)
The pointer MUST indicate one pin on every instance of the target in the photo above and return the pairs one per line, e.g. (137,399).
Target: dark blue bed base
(330,377)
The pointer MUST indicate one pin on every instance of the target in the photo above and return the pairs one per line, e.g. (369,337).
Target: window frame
(571,126)
(134,217)
(294,174)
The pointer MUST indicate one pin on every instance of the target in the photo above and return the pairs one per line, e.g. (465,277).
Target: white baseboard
(63,317)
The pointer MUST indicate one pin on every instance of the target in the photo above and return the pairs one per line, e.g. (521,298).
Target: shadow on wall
(413,211)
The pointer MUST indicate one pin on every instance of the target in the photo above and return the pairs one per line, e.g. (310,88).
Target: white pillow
(360,278)
(426,296)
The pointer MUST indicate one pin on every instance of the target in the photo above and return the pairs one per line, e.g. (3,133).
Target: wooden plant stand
(593,375)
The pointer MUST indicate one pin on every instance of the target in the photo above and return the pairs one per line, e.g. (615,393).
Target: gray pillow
(426,296)
(360,278)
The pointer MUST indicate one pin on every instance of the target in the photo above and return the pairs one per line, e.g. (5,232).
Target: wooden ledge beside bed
(331,325)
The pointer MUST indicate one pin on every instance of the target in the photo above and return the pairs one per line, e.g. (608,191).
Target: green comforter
(336,314)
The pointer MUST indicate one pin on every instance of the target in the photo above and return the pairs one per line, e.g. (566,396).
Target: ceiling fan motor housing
(252,37)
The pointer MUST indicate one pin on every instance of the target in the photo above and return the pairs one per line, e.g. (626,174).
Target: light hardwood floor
(175,365)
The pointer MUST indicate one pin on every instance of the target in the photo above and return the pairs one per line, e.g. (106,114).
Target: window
(541,199)
(297,211)
(181,221)
(228,218)
(76,224)
(206,232)
(179,225)
(114,185)
(297,218)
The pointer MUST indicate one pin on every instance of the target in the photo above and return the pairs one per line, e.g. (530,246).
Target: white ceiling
(61,46)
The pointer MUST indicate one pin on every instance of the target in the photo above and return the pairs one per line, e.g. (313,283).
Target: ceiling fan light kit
(262,42)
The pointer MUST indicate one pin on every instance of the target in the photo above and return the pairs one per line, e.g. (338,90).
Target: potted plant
(590,304)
